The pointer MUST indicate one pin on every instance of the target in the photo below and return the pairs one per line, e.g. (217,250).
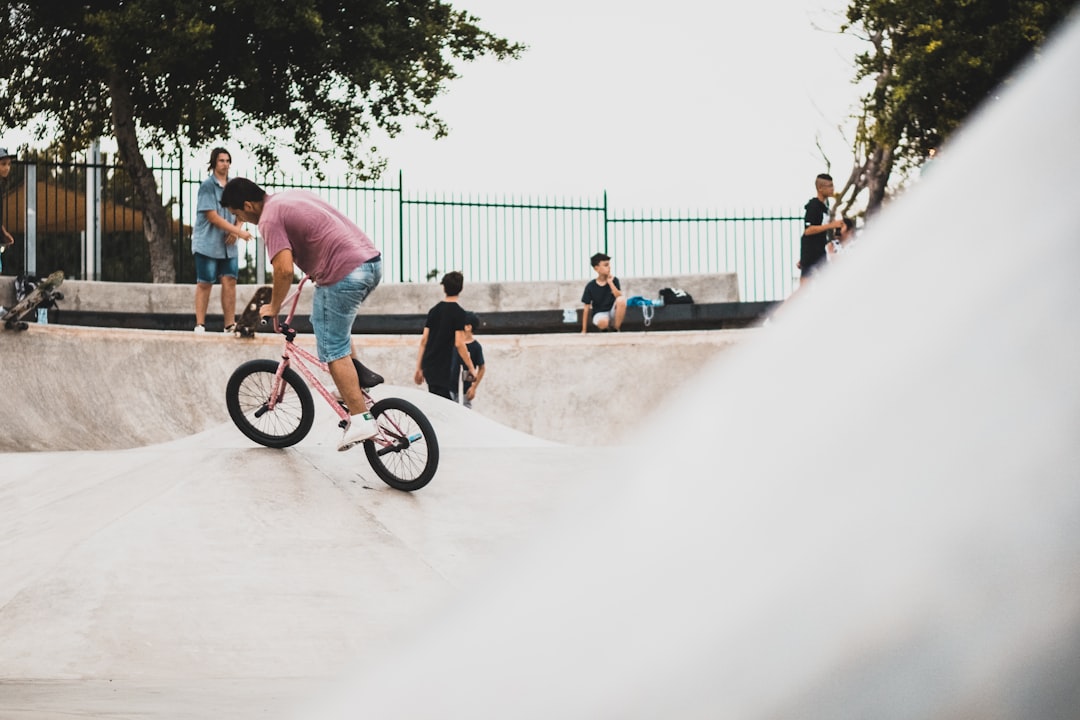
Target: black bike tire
(430,446)
(293,422)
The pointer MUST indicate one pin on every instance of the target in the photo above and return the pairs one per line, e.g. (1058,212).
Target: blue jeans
(333,310)
(208,269)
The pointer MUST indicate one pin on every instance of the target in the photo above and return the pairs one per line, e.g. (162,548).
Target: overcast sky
(679,104)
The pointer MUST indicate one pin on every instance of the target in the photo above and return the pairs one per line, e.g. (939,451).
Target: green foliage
(197,71)
(933,62)
(159,74)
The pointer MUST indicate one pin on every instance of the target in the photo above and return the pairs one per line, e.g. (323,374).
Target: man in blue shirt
(213,242)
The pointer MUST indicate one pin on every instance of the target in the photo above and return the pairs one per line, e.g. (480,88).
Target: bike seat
(368,378)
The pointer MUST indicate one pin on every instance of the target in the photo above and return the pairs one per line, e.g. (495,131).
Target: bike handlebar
(283,326)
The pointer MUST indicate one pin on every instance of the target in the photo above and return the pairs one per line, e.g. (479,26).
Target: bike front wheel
(405,453)
(248,398)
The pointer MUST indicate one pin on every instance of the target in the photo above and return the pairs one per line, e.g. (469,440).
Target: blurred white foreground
(873,510)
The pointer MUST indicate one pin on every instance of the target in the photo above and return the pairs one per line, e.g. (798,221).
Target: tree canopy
(161,74)
(932,63)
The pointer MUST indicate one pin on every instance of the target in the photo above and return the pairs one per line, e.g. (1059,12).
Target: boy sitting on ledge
(604,297)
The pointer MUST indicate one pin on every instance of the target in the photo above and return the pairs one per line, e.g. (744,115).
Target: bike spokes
(280,423)
(405,453)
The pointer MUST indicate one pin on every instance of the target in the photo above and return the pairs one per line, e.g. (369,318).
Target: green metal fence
(759,246)
(499,238)
(65,212)
(490,238)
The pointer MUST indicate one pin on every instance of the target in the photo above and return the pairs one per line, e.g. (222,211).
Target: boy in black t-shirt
(817,228)
(444,336)
(469,382)
(603,296)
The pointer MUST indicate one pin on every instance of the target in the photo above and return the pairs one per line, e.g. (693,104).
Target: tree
(932,63)
(163,74)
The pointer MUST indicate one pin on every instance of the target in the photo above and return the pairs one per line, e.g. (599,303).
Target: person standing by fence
(817,229)
(213,242)
(6,240)
(842,240)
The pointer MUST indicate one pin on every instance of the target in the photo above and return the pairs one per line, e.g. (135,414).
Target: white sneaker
(200,329)
(361,427)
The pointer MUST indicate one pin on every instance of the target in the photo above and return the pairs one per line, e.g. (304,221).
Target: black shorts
(441,391)
(811,255)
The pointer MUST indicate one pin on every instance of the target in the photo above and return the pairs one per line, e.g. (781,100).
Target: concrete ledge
(388,299)
(110,388)
(699,316)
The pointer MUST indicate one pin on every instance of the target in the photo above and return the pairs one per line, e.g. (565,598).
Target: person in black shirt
(5,170)
(444,335)
(817,228)
(603,296)
(469,383)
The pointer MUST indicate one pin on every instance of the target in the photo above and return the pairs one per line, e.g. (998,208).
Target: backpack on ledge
(646,306)
(675,296)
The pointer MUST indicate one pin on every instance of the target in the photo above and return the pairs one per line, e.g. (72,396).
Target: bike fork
(277,388)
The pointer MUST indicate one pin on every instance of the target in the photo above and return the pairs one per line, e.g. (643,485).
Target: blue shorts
(208,269)
(333,310)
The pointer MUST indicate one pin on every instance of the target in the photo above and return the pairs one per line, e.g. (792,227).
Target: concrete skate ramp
(877,514)
(74,388)
(208,577)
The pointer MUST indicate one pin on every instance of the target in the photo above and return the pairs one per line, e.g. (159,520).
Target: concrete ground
(208,577)
(157,564)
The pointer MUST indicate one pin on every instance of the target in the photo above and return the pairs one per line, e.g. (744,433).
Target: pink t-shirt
(324,243)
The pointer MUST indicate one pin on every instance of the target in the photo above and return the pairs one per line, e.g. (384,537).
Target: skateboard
(44,294)
(250,320)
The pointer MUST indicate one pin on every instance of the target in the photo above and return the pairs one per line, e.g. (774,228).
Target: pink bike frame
(293,351)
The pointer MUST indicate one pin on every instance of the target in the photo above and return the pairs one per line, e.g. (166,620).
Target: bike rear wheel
(248,396)
(405,453)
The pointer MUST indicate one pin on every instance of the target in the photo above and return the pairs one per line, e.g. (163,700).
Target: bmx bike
(270,403)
